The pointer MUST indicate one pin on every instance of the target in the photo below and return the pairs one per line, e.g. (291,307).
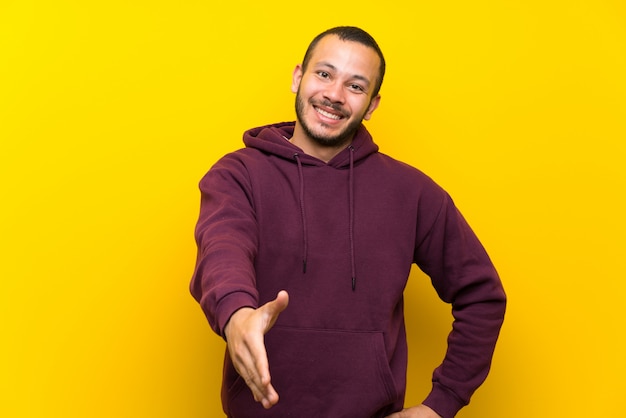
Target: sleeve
(227,238)
(449,252)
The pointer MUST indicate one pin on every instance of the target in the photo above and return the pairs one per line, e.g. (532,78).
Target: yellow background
(111,111)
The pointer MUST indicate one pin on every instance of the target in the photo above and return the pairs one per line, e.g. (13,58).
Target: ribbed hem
(443,401)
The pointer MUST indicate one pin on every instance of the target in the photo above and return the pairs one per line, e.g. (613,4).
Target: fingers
(271,310)
(247,352)
(258,380)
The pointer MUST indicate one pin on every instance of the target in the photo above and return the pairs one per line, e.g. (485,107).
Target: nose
(334,92)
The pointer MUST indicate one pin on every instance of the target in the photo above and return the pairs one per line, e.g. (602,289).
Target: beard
(337,140)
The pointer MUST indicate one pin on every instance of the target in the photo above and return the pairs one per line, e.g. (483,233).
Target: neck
(314,148)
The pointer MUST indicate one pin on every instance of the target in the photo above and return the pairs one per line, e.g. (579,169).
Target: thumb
(274,307)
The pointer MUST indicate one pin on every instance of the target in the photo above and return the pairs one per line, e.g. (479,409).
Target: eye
(357,88)
(323,74)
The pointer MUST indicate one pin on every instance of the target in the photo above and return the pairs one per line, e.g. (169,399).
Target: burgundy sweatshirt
(340,237)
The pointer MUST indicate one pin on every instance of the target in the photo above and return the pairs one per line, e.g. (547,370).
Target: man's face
(334,95)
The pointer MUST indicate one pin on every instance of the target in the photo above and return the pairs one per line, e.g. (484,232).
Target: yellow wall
(111,111)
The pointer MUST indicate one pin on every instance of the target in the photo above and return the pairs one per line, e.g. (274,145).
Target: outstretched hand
(245,333)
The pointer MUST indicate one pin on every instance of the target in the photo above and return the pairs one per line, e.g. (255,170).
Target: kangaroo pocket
(322,373)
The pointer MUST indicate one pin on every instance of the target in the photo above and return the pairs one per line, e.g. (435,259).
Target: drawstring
(296,156)
(351,196)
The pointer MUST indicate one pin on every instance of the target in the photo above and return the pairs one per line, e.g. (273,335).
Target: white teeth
(328,115)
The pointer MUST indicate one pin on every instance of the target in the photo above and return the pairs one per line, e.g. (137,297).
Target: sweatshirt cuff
(443,401)
(230,304)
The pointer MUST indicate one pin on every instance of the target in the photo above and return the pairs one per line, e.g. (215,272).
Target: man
(305,242)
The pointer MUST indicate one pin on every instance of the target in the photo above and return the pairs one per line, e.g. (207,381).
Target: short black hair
(353,34)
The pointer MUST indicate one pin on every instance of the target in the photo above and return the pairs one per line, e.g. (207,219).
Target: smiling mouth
(327,114)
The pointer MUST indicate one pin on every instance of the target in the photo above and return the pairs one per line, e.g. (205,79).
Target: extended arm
(224,279)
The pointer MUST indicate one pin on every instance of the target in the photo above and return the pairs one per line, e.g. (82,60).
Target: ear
(297,77)
(373,105)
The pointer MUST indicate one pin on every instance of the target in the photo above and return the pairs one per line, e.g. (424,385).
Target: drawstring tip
(303,266)
(353,283)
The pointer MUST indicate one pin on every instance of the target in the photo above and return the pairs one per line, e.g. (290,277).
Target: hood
(272,139)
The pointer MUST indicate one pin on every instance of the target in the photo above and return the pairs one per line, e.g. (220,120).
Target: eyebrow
(332,67)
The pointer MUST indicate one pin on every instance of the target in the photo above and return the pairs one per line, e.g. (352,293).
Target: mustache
(327,103)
